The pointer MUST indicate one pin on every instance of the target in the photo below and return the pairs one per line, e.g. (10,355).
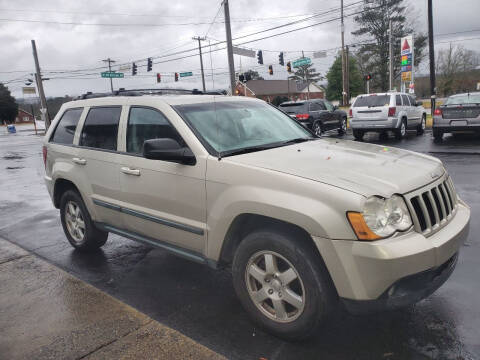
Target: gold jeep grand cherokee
(303,222)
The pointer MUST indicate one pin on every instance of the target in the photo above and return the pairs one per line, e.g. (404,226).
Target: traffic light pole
(110,61)
(41,93)
(228,32)
(201,60)
(390,54)
(431,50)
(344,87)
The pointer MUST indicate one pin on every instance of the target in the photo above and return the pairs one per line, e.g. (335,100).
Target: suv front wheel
(77,224)
(281,284)
(401,131)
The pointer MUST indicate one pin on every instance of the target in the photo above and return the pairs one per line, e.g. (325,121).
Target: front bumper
(363,272)
(374,125)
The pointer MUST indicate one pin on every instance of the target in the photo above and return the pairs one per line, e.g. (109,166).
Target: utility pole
(41,93)
(201,60)
(347,74)
(228,31)
(344,77)
(431,50)
(306,77)
(110,61)
(390,53)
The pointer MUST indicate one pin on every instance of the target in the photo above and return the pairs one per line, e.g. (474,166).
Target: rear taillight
(392,111)
(44,150)
(302,116)
(437,112)
(350,113)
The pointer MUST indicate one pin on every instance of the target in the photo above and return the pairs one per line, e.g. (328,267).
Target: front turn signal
(360,227)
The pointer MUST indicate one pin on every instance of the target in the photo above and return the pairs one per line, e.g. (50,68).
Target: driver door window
(328,105)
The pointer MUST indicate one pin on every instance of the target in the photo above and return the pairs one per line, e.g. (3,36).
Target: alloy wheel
(275,286)
(423,123)
(403,129)
(344,125)
(75,222)
(317,129)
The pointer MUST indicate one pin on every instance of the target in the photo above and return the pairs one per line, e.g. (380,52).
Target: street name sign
(301,62)
(243,52)
(111,74)
(188,73)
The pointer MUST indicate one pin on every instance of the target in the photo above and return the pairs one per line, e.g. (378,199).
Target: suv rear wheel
(421,127)
(343,127)
(317,128)
(358,135)
(281,284)
(77,224)
(402,130)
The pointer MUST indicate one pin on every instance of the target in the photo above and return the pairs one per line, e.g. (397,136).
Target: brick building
(23,116)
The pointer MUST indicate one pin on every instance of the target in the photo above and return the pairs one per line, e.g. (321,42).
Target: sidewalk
(46,313)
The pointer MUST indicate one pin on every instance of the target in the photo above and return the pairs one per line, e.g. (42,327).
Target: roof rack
(141,92)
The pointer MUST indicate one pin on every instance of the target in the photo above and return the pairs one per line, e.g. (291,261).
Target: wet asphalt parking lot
(200,302)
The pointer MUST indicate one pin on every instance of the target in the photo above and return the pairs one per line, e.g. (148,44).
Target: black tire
(437,135)
(401,132)
(358,134)
(93,238)
(317,290)
(317,128)
(421,127)
(343,127)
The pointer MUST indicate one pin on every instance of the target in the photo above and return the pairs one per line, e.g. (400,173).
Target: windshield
(372,101)
(463,99)
(295,108)
(229,126)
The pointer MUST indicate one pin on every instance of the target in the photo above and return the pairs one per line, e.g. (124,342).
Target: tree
(373,32)
(254,75)
(8,106)
(334,78)
(306,72)
(454,68)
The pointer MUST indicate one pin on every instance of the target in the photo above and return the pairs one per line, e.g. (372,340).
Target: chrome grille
(434,206)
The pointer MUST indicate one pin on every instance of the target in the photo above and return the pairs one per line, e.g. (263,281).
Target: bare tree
(454,68)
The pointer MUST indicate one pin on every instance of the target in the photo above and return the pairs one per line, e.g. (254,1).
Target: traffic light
(289,67)
(149,64)
(270,69)
(134,69)
(260,57)
(159,78)
(280,59)
(368,77)
(176,76)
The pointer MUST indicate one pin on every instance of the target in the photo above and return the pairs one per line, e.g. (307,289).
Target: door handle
(128,171)
(79,161)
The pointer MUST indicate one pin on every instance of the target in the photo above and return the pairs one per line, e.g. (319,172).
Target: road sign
(111,74)
(244,52)
(407,76)
(301,62)
(28,90)
(188,73)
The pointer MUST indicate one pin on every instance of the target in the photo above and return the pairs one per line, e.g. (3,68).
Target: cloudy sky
(73,37)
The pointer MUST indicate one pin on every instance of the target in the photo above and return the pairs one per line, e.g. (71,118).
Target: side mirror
(168,150)
(419,103)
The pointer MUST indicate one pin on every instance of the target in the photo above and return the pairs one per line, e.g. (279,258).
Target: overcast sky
(64,49)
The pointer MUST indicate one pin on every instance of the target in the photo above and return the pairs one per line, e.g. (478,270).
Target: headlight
(380,218)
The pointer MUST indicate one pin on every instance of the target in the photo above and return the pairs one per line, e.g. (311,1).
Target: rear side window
(405,100)
(372,101)
(398,100)
(295,108)
(145,124)
(65,130)
(101,128)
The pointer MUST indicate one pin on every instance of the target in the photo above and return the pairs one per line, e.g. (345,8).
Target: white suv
(384,112)
(303,222)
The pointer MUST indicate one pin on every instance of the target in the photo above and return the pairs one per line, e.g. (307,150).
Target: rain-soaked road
(200,302)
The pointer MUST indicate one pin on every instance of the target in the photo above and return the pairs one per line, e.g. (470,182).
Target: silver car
(395,112)
(460,112)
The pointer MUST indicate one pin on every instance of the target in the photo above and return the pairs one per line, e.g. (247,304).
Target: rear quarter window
(65,130)
(372,101)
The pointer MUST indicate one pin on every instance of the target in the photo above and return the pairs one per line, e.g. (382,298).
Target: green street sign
(189,73)
(301,62)
(111,74)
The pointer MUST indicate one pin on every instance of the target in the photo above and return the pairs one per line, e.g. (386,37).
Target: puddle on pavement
(14,167)
(13,156)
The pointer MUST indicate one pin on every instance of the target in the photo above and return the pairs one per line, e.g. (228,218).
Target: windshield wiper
(297,141)
(245,150)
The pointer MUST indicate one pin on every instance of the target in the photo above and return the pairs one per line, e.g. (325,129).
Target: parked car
(231,182)
(393,111)
(317,115)
(460,112)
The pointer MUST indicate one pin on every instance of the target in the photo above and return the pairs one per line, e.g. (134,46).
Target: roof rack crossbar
(140,92)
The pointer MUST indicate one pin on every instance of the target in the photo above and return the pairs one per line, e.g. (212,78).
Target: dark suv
(317,115)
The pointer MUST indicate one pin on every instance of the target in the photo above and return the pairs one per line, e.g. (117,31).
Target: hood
(366,169)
